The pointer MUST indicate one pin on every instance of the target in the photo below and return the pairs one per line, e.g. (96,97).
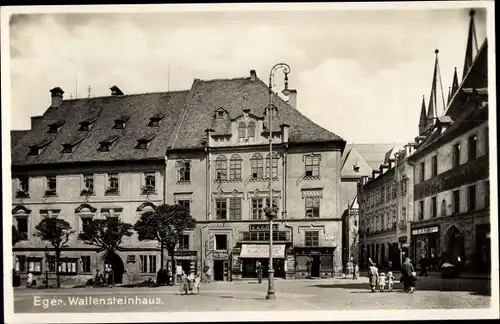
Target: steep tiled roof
(16,136)
(372,153)
(104,110)
(236,95)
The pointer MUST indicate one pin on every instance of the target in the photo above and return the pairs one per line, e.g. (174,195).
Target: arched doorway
(114,263)
(454,245)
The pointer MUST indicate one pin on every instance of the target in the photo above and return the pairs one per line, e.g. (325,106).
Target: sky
(358,73)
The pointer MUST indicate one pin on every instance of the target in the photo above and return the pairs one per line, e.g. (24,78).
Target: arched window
(221,168)
(235,167)
(275,165)
(257,166)
(242,130)
(251,129)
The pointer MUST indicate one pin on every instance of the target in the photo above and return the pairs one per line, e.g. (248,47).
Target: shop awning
(258,251)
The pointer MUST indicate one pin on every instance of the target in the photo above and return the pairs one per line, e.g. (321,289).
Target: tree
(165,224)
(107,235)
(16,236)
(57,232)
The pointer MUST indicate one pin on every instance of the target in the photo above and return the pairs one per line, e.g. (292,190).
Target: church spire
(422,125)
(432,108)
(471,48)
(454,86)
(449,96)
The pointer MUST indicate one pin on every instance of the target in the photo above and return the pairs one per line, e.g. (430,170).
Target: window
(242,130)
(119,124)
(220,209)
(434,170)
(184,242)
(53,129)
(148,263)
(85,260)
(67,149)
(433,207)
(131,258)
(35,265)
(221,168)
(486,194)
(186,203)
(422,171)
(274,165)
(382,194)
(221,242)
(20,263)
(220,114)
(456,201)
(257,165)
(421,210)
(456,155)
(113,183)
(84,126)
(251,130)
(24,188)
(312,165)
(51,186)
(104,147)
(149,183)
(312,207)
(311,238)
(235,208)
(142,145)
(86,222)
(472,147)
(235,167)
(68,266)
(471,198)
(257,208)
(184,171)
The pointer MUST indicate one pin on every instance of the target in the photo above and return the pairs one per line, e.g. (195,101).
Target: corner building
(220,163)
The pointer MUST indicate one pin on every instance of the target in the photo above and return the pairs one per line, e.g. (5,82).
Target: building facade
(122,155)
(451,192)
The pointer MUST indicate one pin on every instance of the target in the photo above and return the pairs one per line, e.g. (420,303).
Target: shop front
(221,271)
(425,243)
(252,254)
(185,259)
(320,260)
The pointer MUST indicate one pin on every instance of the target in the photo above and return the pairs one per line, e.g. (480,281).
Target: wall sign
(329,237)
(262,227)
(426,230)
(220,255)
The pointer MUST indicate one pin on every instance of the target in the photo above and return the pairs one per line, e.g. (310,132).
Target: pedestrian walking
(408,276)
(29,281)
(179,272)
(259,270)
(309,267)
(423,266)
(373,276)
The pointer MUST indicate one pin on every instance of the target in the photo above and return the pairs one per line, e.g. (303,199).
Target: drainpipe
(165,181)
(202,249)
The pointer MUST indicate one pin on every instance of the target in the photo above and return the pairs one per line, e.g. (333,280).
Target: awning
(262,251)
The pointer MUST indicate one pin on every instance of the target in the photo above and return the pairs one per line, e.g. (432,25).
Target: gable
(354,158)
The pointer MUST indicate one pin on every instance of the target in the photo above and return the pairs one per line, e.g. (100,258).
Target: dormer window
(242,130)
(143,142)
(69,147)
(86,125)
(220,114)
(155,120)
(56,127)
(37,148)
(120,122)
(251,130)
(107,143)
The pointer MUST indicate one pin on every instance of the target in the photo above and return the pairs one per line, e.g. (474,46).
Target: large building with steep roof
(205,148)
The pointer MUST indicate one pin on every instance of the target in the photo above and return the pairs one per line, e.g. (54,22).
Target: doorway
(114,263)
(315,267)
(219,270)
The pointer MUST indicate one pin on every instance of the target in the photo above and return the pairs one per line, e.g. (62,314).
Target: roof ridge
(184,113)
(127,95)
(224,79)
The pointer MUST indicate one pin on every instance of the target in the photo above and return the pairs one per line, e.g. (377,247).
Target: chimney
(284,129)
(115,91)
(57,97)
(292,98)
(253,75)
(35,121)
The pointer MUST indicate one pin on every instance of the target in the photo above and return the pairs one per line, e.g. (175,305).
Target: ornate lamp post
(272,210)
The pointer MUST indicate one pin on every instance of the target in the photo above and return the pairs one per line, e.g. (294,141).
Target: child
(381,281)
(390,280)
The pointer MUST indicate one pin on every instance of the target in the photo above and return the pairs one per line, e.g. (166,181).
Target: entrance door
(218,270)
(114,263)
(315,269)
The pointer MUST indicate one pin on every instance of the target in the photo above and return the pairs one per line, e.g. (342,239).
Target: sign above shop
(220,255)
(262,227)
(261,251)
(426,230)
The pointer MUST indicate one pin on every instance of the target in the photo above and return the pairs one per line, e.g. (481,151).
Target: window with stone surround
(242,130)
(51,186)
(220,208)
(184,242)
(434,207)
(312,207)
(257,166)
(147,263)
(22,226)
(311,238)
(257,208)
(275,160)
(234,208)
(434,164)
(235,167)
(221,168)
(312,165)
(85,261)
(421,210)
(184,171)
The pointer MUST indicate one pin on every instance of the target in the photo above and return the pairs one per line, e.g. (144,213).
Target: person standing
(29,281)
(373,276)
(423,266)
(309,267)
(178,272)
(408,276)
(259,271)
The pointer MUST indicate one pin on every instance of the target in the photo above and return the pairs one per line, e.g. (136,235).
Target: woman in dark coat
(407,276)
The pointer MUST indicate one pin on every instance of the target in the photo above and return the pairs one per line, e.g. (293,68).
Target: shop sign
(220,255)
(262,227)
(262,251)
(426,230)
(329,237)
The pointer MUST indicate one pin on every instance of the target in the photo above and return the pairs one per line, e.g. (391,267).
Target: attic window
(120,122)
(69,147)
(220,114)
(143,142)
(86,125)
(107,143)
(37,148)
(55,127)
(155,120)
(355,168)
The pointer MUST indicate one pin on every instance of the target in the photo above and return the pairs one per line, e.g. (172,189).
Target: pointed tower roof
(434,102)
(449,96)
(455,85)
(471,49)
(422,124)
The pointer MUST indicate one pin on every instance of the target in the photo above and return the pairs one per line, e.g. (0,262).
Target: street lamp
(46,267)
(271,210)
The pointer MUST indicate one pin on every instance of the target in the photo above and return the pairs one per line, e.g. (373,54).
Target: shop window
(311,238)
(257,208)
(35,265)
(221,242)
(85,260)
(235,208)
(148,263)
(456,201)
(312,207)
(20,263)
(471,198)
(221,209)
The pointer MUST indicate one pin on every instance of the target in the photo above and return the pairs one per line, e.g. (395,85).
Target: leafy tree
(16,236)
(107,235)
(57,232)
(165,224)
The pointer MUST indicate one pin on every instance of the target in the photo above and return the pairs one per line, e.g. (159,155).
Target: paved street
(330,294)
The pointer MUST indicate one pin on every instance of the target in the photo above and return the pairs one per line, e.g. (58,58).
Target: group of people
(102,279)
(380,280)
(190,283)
